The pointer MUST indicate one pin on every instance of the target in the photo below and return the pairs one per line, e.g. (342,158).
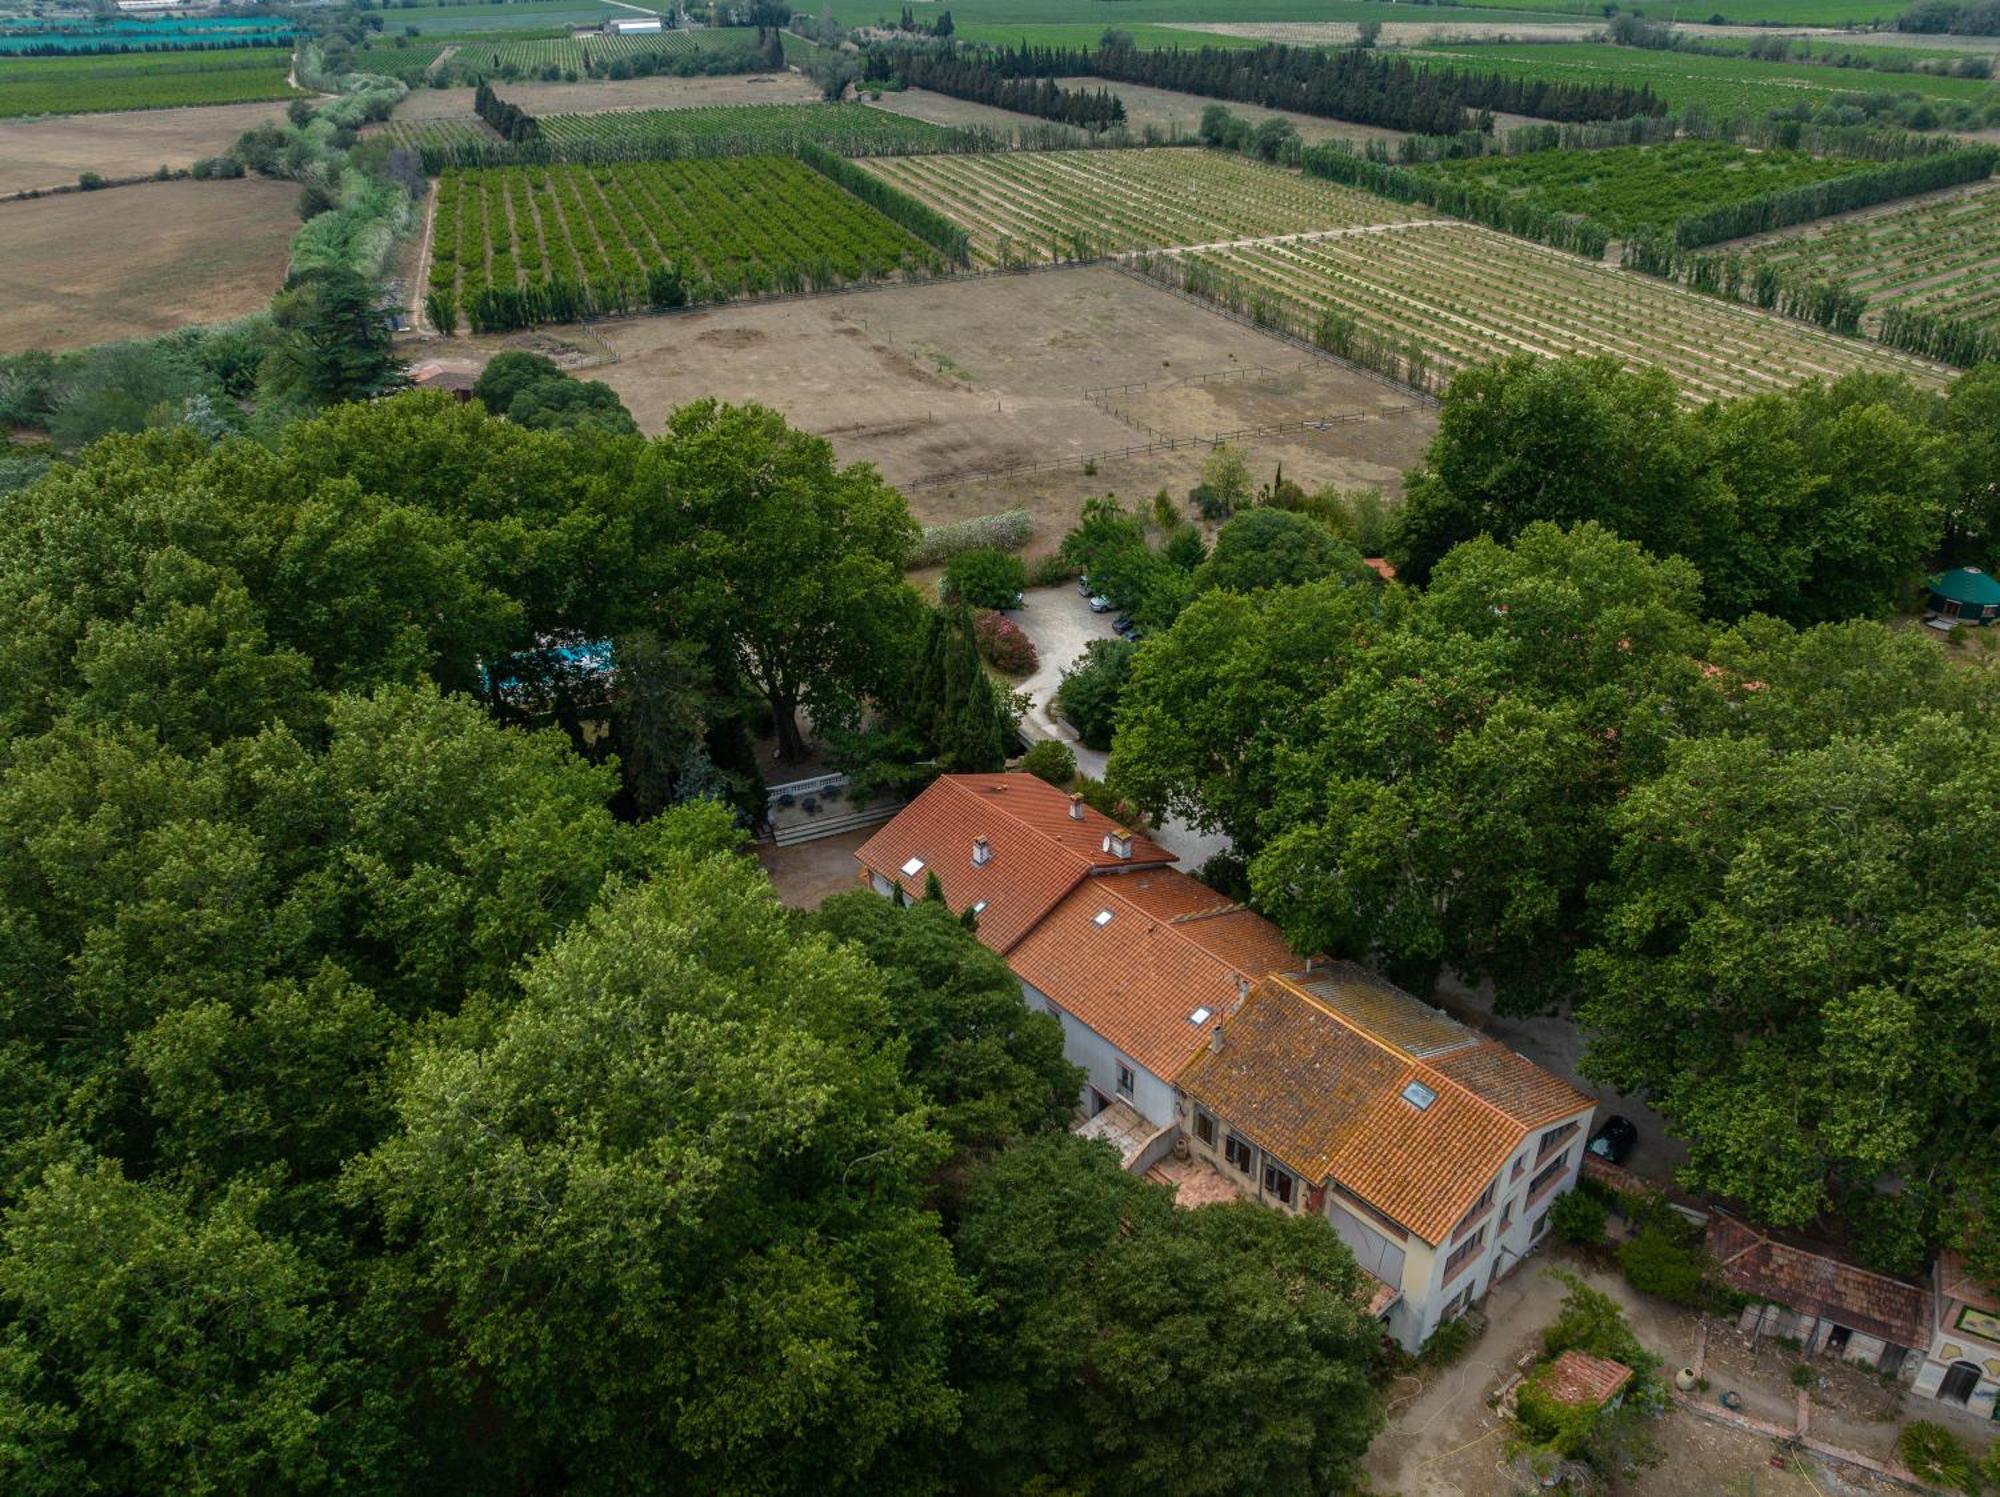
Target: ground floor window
(1204,1127)
(1278,1183)
(1541,1226)
(1239,1154)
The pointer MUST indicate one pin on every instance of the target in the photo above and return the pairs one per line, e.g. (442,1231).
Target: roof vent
(1418,1095)
(982,852)
(1199,1017)
(1101,919)
(1076,808)
(1118,842)
(912,868)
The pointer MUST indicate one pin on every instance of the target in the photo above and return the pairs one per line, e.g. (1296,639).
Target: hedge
(922,220)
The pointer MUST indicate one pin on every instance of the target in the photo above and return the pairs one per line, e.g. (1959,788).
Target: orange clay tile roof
(1580,1380)
(1039,852)
(1314,1068)
(1170,949)
(1817,1283)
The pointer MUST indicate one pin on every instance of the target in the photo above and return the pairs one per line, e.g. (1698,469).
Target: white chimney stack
(1076,808)
(1215,1040)
(982,852)
(1242,988)
(1118,842)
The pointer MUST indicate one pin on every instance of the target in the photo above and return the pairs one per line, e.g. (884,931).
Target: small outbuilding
(1580,1381)
(1964,595)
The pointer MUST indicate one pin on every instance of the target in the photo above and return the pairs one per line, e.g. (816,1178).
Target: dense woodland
(405,1089)
(1639,749)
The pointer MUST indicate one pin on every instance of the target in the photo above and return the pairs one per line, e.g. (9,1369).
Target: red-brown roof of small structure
(1578,1379)
(1819,1284)
(1955,1282)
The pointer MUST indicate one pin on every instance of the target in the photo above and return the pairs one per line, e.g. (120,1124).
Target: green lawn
(1723,86)
(141,80)
(1630,188)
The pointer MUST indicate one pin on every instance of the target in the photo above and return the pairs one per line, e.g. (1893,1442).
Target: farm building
(633,25)
(1432,1150)
(1966,595)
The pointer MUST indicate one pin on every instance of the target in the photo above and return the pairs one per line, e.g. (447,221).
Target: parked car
(1614,1141)
(1122,623)
(1100,604)
(1083,586)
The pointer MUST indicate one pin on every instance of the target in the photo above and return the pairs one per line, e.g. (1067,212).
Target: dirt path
(445,55)
(1310,234)
(420,284)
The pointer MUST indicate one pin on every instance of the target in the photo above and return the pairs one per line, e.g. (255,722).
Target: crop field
(1065,205)
(53,150)
(1630,188)
(1454,294)
(744,225)
(141,80)
(504,15)
(539,57)
(1941,255)
(416,134)
(1722,86)
(738,128)
(399,57)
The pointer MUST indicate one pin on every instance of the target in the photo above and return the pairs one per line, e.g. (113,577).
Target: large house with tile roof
(1435,1151)
(1312,1086)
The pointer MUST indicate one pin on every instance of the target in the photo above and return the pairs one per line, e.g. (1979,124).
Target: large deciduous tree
(667,1208)
(1106,1314)
(796,561)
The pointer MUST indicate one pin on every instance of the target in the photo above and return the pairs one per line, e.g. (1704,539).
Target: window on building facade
(1541,1226)
(1548,1174)
(1204,1127)
(1124,1079)
(1478,1208)
(1519,1165)
(1278,1183)
(1551,1138)
(1464,1253)
(1506,1217)
(1239,1154)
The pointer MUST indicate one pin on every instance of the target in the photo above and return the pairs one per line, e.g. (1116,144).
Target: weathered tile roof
(1039,852)
(1140,978)
(1580,1380)
(1315,1068)
(1819,1284)
(1955,1281)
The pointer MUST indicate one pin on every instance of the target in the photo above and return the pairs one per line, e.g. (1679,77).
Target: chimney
(1242,987)
(982,852)
(1118,842)
(1076,808)
(1215,1040)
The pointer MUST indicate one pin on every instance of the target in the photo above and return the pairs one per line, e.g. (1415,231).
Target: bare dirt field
(653,93)
(50,152)
(943,109)
(134,262)
(966,376)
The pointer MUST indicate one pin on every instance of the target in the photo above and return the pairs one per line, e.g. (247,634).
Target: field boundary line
(420,319)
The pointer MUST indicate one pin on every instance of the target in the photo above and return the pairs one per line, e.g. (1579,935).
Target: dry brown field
(51,152)
(943,109)
(135,262)
(966,376)
(651,93)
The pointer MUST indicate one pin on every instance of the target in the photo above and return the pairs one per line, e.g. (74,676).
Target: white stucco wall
(1151,1096)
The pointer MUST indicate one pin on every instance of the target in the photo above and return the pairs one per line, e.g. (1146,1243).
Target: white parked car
(1100,604)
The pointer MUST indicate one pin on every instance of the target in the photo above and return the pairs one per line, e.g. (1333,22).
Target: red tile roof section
(1039,851)
(1819,1284)
(1580,1380)
(1955,1281)
(1324,1092)
(1137,978)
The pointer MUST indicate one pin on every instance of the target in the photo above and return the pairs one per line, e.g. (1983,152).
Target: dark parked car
(1615,1139)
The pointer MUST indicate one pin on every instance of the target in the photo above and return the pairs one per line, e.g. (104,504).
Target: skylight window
(1101,919)
(1418,1095)
(912,868)
(979,907)
(1199,1016)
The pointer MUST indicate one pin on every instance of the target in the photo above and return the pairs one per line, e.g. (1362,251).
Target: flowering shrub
(1004,645)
